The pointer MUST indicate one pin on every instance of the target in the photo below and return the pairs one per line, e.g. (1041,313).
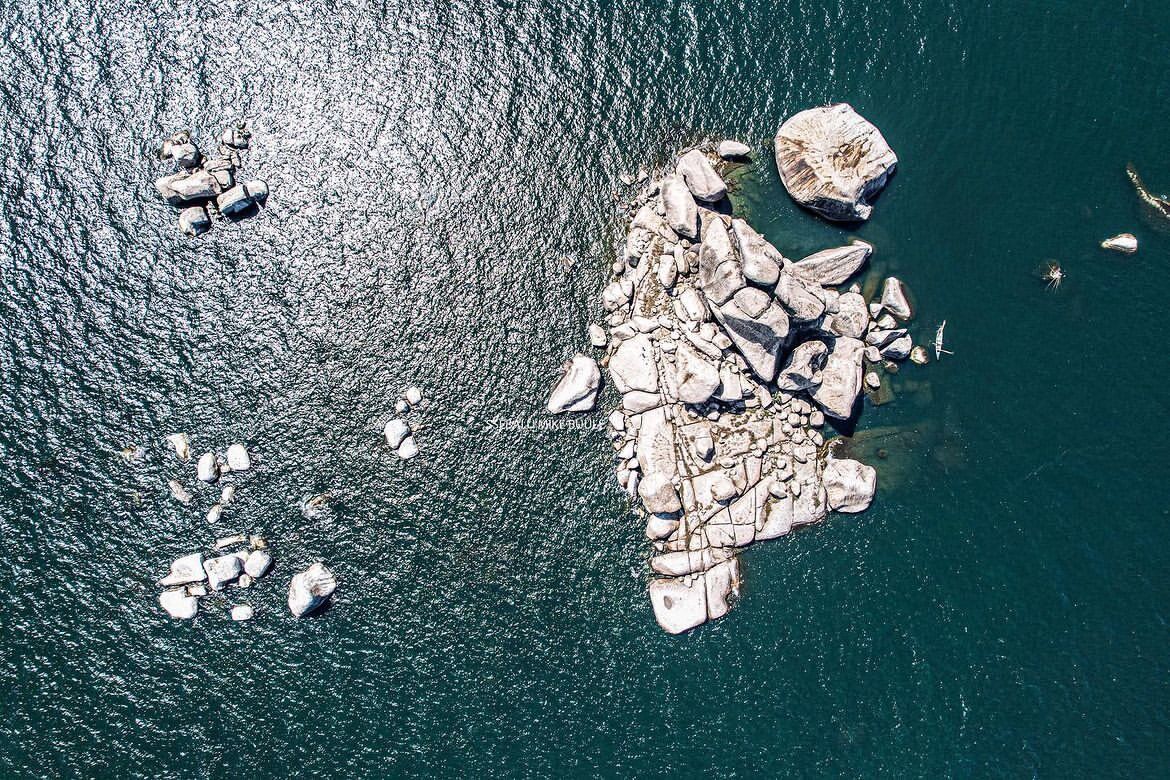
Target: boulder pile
(730,357)
(204,186)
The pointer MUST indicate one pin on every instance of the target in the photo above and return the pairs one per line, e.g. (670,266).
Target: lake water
(999,611)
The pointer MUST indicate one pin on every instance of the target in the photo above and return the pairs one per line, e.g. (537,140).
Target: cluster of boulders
(398,432)
(205,186)
(729,357)
(195,576)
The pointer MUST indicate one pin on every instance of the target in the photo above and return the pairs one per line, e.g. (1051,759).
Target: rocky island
(729,358)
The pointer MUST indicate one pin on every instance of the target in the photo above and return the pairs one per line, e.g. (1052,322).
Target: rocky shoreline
(729,358)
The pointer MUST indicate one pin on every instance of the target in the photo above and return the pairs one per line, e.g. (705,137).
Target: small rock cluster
(193,576)
(398,432)
(202,187)
(728,357)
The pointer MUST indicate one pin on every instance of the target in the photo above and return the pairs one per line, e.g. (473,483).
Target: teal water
(998,612)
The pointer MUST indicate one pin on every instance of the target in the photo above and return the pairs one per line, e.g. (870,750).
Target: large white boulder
(832,266)
(894,299)
(395,431)
(576,390)
(849,484)
(730,149)
(222,570)
(238,458)
(257,564)
(700,176)
(184,187)
(696,378)
(207,469)
(682,213)
(310,589)
(632,365)
(178,604)
(760,260)
(680,603)
(185,570)
(833,161)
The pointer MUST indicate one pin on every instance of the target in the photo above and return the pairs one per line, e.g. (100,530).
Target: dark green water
(998,612)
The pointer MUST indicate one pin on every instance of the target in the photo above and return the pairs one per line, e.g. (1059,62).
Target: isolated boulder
(832,266)
(833,161)
(576,390)
(310,589)
(849,485)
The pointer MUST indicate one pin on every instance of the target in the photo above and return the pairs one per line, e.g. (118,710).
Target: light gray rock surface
(194,221)
(833,161)
(849,485)
(238,458)
(832,266)
(894,299)
(682,213)
(841,378)
(222,570)
(700,176)
(576,390)
(730,150)
(310,589)
(178,604)
(185,570)
(395,431)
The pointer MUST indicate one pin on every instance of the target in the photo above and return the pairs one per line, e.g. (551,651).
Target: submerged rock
(833,161)
(181,444)
(310,589)
(576,390)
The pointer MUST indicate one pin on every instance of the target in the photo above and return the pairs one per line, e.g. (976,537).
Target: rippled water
(999,610)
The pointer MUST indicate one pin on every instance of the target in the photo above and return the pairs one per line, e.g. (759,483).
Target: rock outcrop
(833,161)
(727,366)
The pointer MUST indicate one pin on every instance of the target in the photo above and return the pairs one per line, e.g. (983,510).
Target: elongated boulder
(760,260)
(832,266)
(242,197)
(700,176)
(576,390)
(720,272)
(395,431)
(310,589)
(841,378)
(730,149)
(695,377)
(833,161)
(184,187)
(849,485)
(1122,242)
(682,213)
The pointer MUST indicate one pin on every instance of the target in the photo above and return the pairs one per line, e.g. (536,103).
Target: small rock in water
(1123,242)
(214,513)
(207,468)
(258,563)
(238,458)
(179,492)
(229,541)
(194,221)
(395,431)
(227,495)
(407,449)
(401,406)
(242,612)
(872,380)
(245,580)
(730,150)
(242,197)
(310,589)
(178,604)
(919,356)
(413,396)
(181,444)
(597,336)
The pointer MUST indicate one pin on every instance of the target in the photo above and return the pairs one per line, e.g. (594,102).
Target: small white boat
(938,342)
